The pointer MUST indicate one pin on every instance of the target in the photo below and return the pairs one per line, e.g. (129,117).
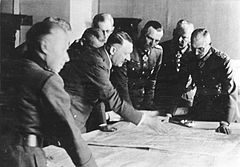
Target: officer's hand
(224,128)
(155,123)
(105,128)
(156,113)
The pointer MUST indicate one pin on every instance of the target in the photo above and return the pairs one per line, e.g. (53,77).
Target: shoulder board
(158,47)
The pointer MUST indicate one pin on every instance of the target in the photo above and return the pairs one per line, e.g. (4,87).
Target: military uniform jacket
(173,75)
(216,96)
(43,108)
(89,81)
(144,64)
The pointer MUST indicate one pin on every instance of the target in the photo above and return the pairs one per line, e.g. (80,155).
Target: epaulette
(220,54)
(158,47)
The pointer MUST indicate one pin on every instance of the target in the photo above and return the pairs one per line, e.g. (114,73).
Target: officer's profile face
(182,36)
(200,46)
(153,37)
(122,53)
(56,45)
(107,28)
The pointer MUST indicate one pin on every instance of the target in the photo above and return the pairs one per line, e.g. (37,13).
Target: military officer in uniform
(216,95)
(42,105)
(118,77)
(89,82)
(91,38)
(173,77)
(144,64)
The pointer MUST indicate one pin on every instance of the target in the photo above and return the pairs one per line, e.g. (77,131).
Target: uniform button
(133,69)
(203,86)
(75,116)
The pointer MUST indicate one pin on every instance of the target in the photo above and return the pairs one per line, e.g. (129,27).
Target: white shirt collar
(110,61)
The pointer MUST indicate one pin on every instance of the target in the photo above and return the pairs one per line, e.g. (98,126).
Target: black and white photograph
(119,83)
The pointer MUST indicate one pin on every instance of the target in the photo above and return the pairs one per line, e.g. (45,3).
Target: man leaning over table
(91,76)
(216,94)
(42,105)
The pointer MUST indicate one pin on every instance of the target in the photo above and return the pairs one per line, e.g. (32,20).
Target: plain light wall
(220,17)
(81,14)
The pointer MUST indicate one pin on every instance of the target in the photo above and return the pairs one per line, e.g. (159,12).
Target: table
(132,146)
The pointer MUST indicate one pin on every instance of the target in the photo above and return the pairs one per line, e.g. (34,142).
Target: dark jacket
(142,70)
(216,96)
(43,109)
(88,80)
(119,80)
(174,86)
(172,78)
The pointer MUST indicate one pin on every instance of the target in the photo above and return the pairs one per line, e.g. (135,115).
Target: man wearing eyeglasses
(173,80)
(144,65)
(216,95)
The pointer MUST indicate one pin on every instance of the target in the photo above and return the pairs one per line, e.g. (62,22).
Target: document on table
(178,138)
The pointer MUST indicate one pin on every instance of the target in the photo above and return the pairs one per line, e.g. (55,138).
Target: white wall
(81,14)
(220,17)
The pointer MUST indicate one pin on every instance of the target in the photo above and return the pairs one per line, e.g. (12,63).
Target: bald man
(104,22)
(216,95)
(172,79)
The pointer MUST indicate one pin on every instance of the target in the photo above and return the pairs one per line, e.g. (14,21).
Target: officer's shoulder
(36,74)
(219,55)
(158,48)
(92,55)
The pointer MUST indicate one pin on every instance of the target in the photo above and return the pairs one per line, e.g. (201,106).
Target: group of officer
(110,71)
(173,74)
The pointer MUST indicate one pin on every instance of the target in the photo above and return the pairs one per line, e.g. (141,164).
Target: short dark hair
(38,31)
(92,31)
(89,33)
(152,23)
(118,37)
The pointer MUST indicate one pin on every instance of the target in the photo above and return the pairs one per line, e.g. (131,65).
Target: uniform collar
(108,56)
(176,49)
(33,56)
(207,55)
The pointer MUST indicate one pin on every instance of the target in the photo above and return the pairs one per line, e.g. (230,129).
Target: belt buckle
(32,140)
